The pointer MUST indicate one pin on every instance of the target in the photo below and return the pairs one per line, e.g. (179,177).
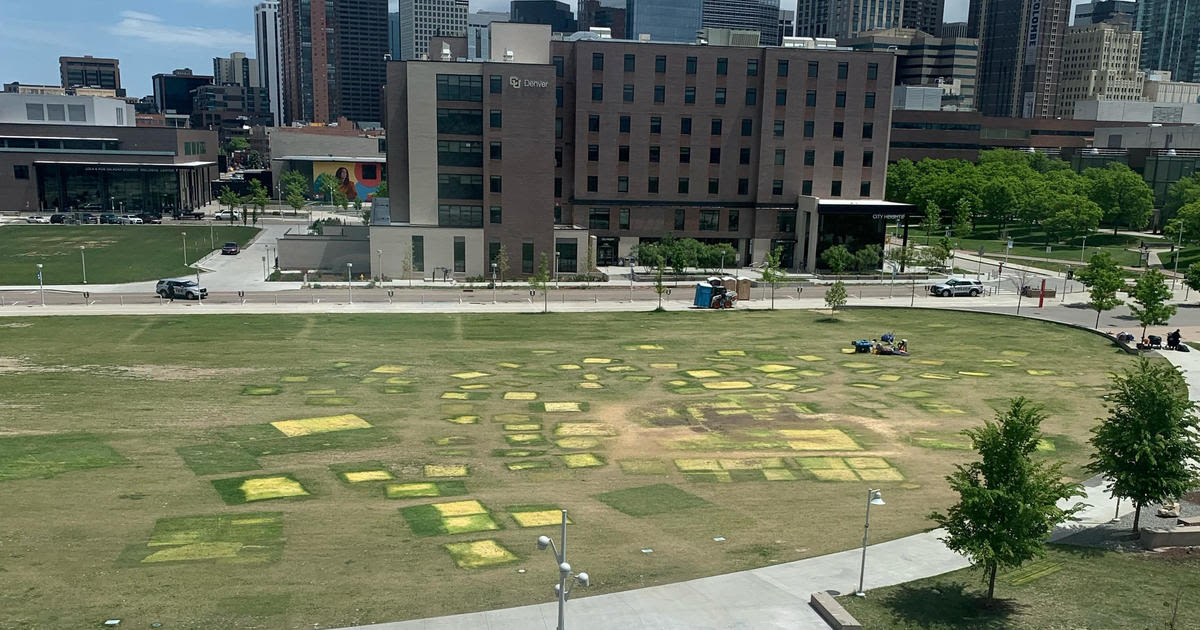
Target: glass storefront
(115,188)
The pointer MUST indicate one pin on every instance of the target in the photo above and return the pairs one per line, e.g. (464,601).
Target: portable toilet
(730,284)
(704,292)
(743,288)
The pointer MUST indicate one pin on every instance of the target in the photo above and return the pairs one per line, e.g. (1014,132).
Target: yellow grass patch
(880,474)
(813,463)
(809,357)
(327,424)
(463,420)
(1014,353)
(819,440)
(1040,372)
(320,392)
(445,470)
(538,519)
(195,551)
(811,373)
(645,346)
(518,438)
(694,464)
(728,385)
(774,368)
(511,366)
(470,375)
(741,464)
(620,368)
(1066,383)
(732,353)
(779,474)
(889,378)
(472,523)
(369,379)
(591,377)
(591,385)
(367,475)
(532,426)
(455,396)
(271,488)
(460,508)
(520,395)
(568,366)
(415,489)
(787,387)
(561,407)
(867,462)
(294,379)
(936,377)
(396,380)
(510,417)
(479,553)
(865,385)
(544,351)
(929,362)
(577,443)
(587,429)
(390,369)
(600,360)
(581,460)
(677,383)
(834,474)
(703,373)
(474,386)
(848,351)
(664,366)
(974,373)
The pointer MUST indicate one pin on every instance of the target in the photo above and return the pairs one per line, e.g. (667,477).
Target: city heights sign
(518,82)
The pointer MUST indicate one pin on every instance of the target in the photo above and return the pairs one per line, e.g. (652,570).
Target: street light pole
(184,235)
(41,286)
(631,283)
(493,283)
(556,256)
(1178,250)
(1083,248)
(83,263)
(873,498)
(563,589)
(380,274)
(349,286)
(212,242)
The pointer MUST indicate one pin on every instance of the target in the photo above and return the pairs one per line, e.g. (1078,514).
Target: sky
(153,36)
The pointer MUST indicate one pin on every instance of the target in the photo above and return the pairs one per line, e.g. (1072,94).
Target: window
(839,99)
(59,113)
(839,158)
(835,188)
(459,153)
(526,257)
(744,155)
(652,185)
(20,171)
(747,126)
(781,97)
(660,93)
(593,183)
(623,153)
(597,91)
(810,157)
(751,96)
(495,121)
(623,124)
(809,128)
(598,219)
(781,69)
(559,63)
(494,151)
(460,216)
(780,157)
(843,69)
(593,123)
(460,87)
(462,122)
(714,155)
(494,254)
(623,218)
(710,220)
(734,220)
(722,65)
(689,95)
(714,187)
(869,100)
(751,67)
(627,93)
(558,152)
(655,153)
(742,189)
(495,214)
(719,97)
(777,187)
(680,218)
(868,158)
(660,63)
(683,186)
(597,61)
(872,71)
(839,129)
(716,126)
(76,113)
(778,128)
(656,124)
(690,67)
(630,62)
(810,98)
(785,221)
(864,188)
(806,187)
(868,131)
(593,152)
(418,253)
(685,155)
(685,126)
(814,67)
(496,184)
(558,96)
(558,128)
(454,186)
(495,84)
(557,187)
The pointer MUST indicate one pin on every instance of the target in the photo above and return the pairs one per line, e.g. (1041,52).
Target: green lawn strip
(28,456)
(218,457)
(426,520)
(264,439)
(231,490)
(1071,587)
(114,253)
(424,489)
(650,500)
(252,537)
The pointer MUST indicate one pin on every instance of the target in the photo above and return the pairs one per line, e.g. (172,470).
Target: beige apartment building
(1099,62)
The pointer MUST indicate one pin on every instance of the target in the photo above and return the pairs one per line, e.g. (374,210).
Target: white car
(227,215)
(129,219)
(37,220)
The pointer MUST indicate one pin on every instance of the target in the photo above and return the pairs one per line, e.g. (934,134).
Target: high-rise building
(1099,62)
(1171,37)
(926,60)
(1019,59)
(924,15)
(664,20)
(750,15)
(479,33)
(610,14)
(266,46)
(845,18)
(89,71)
(340,72)
(236,69)
(173,92)
(787,23)
(422,19)
(229,107)
(395,49)
(554,13)
(954,29)
(1123,12)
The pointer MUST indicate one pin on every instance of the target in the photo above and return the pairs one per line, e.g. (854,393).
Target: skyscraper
(394,39)
(266,46)
(1123,12)
(421,19)
(89,71)
(924,15)
(555,13)
(236,69)
(603,13)
(479,32)
(1020,44)
(664,20)
(340,73)
(845,18)
(752,15)
(1171,37)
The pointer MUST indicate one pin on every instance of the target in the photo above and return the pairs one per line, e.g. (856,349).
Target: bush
(837,258)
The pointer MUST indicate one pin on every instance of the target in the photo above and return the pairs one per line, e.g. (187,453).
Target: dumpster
(743,288)
(703,297)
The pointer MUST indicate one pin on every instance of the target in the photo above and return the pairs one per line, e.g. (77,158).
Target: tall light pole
(873,498)
(41,287)
(83,263)
(349,287)
(264,261)
(1083,248)
(556,256)
(631,282)
(1178,251)
(184,235)
(212,242)
(380,274)
(563,590)
(493,283)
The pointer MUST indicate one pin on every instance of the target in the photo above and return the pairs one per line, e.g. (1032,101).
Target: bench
(832,612)
(1182,536)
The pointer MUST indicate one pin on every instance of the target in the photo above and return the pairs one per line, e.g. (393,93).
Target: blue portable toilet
(704,293)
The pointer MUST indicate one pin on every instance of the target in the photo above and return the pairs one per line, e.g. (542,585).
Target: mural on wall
(356,180)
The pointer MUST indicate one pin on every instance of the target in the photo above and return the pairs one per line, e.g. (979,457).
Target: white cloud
(152,29)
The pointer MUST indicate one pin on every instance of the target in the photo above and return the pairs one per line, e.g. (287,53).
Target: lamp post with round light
(184,235)
(349,286)
(493,283)
(42,295)
(83,263)
(874,497)
(566,578)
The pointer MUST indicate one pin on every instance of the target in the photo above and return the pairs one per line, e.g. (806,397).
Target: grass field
(1072,587)
(287,471)
(114,253)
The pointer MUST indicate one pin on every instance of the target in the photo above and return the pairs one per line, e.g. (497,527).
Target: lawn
(1032,242)
(287,471)
(1072,587)
(114,253)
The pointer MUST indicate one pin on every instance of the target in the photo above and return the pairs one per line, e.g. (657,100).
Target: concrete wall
(396,243)
(100,112)
(329,252)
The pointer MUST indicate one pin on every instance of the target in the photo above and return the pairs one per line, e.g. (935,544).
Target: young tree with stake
(1150,295)
(1103,279)
(772,274)
(835,296)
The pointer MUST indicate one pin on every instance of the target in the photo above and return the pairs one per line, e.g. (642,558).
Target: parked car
(227,215)
(150,217)
(87,218)
(172,288)
(957,286)
(58,218)
(109,219)
(189,215)
(129,219)
(36,219)
(230,249)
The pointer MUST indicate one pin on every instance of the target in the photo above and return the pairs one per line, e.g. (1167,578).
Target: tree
(837,258)
(1151,434)
(935,256)
(901,177)
(296,201)
(963,217)
(902,256)
(229,199)
(540,281)
(254,160)
(1150,295)
(1191,277)
(772,273)
(867,259)
(381,192)
(501,261)
(1181,193)
(340,199)
(1122,194)
(406,265)
(1187,221)
(659,287)
(1072,216)
(835,295)
(1103,279)
(1008,502)
(365,214)
(236,144)
(932,221)
(258,196)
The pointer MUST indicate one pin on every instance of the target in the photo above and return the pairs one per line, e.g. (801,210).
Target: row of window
(710,219)
(683,186)
(721,67)
(716,125)
(466,152)
(466,122)
(654,155)
(720,96)
(462,186)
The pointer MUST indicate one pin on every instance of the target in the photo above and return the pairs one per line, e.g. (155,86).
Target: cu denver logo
(515,82)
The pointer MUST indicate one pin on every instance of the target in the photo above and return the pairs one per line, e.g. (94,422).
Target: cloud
(152,29)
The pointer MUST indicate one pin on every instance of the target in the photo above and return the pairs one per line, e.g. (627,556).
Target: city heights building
(559,149)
